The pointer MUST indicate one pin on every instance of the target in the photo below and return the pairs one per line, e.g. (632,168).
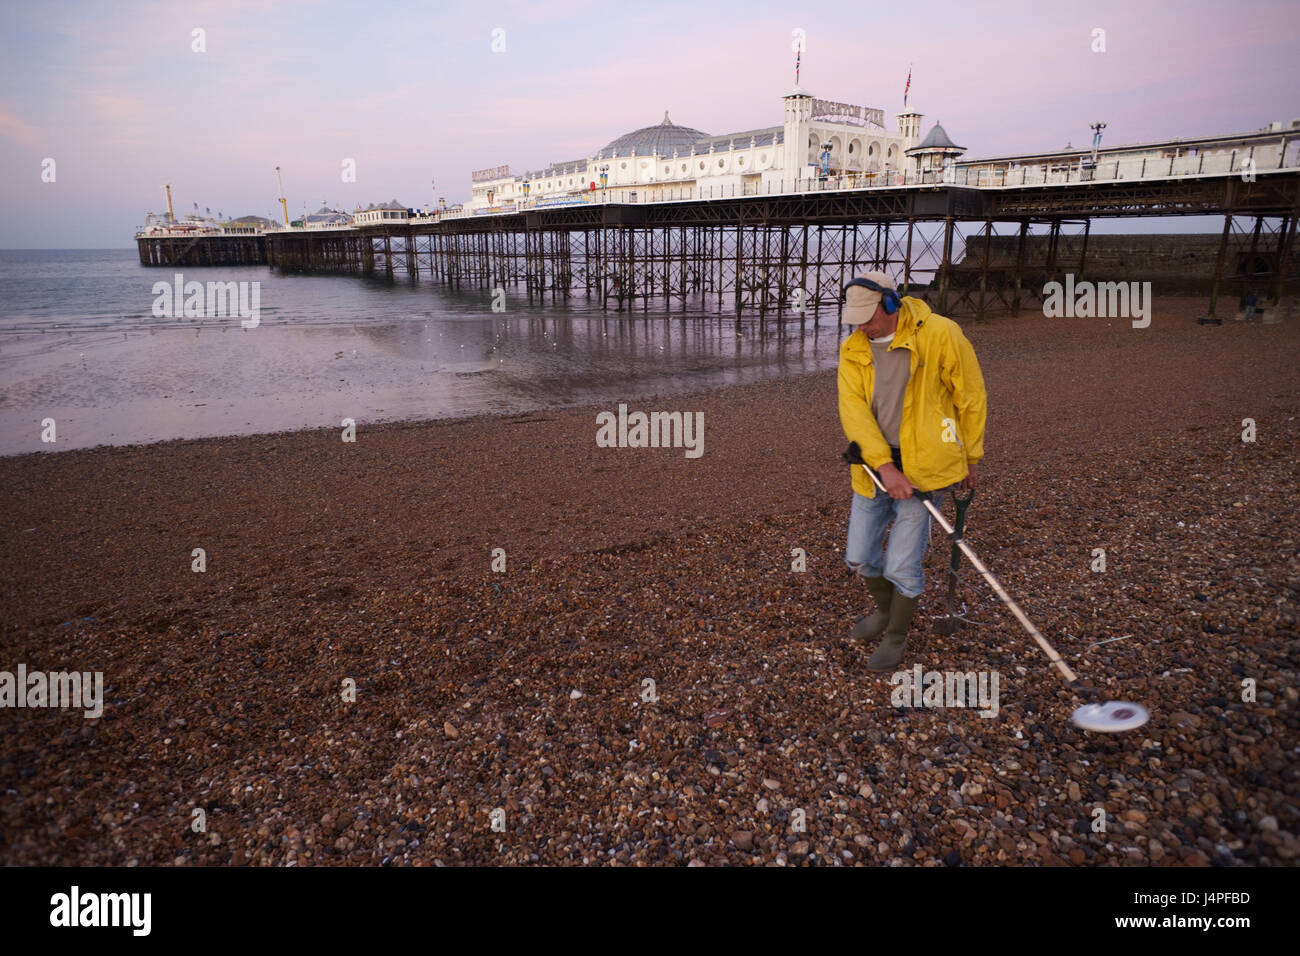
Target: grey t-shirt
(892,370)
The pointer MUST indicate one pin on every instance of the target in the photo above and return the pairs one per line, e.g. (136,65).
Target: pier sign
(863,114)
(487,175)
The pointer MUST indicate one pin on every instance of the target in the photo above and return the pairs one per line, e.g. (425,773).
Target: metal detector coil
(1112,717)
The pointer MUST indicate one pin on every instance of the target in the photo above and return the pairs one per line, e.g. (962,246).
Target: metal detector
(1111,716)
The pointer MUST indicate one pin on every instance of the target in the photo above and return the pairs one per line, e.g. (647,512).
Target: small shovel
(951,622)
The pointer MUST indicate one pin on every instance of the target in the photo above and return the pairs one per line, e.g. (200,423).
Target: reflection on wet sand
(331,347)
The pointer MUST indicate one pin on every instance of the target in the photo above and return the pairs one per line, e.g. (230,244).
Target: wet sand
(211,378)
(370,561)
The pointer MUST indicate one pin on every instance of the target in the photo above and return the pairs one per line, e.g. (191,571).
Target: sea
(83,346)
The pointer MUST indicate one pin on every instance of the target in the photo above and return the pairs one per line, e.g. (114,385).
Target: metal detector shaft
(978,565)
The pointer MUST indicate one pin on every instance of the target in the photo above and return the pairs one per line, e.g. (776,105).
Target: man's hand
(895,482)
(972,479)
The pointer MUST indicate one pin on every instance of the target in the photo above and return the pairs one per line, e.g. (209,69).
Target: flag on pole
(907,87)
(798,54)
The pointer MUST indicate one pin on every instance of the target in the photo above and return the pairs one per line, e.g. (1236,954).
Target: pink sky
(412,91)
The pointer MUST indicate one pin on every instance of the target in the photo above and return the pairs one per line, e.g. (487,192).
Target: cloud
(14,127)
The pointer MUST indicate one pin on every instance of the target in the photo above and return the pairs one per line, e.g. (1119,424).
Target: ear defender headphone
(888,297)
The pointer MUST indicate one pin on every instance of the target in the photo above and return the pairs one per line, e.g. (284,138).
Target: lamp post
(1088,167)
(527,187)
(604,179)
(1096,139)
(826,161)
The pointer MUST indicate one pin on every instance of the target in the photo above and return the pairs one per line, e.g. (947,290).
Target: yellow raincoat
(944,407)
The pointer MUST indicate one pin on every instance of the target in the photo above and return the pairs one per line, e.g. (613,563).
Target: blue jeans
(865,553)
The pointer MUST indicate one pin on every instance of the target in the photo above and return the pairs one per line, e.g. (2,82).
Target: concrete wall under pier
(1173,264)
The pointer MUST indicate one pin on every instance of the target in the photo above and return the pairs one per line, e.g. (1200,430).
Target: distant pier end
(202,250)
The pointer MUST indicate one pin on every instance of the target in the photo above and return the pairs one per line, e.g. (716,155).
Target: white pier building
(666,161)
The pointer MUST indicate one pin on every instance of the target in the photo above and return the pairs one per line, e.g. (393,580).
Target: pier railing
(1139,169)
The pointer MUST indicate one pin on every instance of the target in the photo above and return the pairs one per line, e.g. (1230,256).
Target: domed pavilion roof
(665,137)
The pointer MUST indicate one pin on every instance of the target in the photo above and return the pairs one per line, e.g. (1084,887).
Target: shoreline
(477,418)
(1181,307)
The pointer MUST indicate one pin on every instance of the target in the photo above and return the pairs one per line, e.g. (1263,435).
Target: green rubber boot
(890,652)
(871,626)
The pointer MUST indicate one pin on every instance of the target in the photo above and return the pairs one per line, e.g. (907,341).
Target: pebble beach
(504,716)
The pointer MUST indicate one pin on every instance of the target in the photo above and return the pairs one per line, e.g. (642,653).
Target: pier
(788,253)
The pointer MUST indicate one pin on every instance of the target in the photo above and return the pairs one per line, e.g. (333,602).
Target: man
(912,396)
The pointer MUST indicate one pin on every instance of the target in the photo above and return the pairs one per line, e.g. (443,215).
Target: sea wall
(1172,263)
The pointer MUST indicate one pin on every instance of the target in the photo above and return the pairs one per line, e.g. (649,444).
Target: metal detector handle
(853,456)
